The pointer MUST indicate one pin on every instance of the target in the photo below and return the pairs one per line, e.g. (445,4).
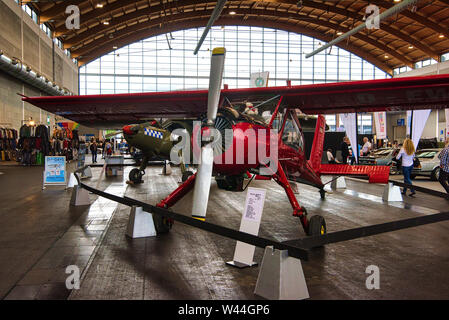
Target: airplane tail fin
(318,143)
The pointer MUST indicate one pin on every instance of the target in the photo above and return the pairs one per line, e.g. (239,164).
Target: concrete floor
(40,235)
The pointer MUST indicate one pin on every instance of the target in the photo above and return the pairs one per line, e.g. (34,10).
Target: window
(149,65)
(292,136)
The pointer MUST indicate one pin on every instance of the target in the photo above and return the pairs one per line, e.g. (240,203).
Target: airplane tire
(186,175)
(435,174)
(322,194)
(135,175)
(317,226)
(162,224)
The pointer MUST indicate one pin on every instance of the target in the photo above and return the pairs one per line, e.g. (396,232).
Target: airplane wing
(113,110)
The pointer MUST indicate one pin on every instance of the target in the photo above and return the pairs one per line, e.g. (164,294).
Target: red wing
(361,96)
(375,174)
(110,109)
(358,96)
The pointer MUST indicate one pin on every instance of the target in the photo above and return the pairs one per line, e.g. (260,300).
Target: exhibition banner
(259,79)
(381,128)
(349,123)
(55,170)
(419,122)
(447,122)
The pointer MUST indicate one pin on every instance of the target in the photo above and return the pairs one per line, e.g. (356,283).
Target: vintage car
(429,163)
(381,157)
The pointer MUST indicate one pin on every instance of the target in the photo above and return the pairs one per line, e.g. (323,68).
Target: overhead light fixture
(339,33)
(397,0)
(441,36)
(410,47)
(386,56)
(114,47)
(232,13)
(105,23)
(99,5)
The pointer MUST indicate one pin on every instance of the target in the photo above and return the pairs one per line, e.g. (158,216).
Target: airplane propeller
(204,173)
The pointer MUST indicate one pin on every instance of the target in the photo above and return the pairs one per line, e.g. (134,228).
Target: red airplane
(105,111)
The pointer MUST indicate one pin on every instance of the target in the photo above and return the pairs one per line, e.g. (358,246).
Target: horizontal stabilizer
(375,174)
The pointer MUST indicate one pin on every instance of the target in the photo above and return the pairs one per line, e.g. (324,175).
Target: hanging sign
(381,128)
(447,122)
(349,123)
(55,171)
(259,79)
(419,121)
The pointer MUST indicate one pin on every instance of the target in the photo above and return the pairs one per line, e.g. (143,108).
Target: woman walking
(407,153)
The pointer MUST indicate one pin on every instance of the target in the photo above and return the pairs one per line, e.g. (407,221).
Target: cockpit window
(292,135)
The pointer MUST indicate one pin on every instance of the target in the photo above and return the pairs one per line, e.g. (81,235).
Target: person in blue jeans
(407,153)
(444,167)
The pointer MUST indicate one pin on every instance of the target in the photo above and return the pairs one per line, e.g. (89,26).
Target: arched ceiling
(415,34)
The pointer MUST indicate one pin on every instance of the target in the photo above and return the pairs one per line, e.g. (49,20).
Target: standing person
(444,166)
(407,153)
(366,146)
(93,149)
(345,150)
(108,148)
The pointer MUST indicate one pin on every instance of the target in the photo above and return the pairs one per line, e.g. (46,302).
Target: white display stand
(72,181)
(114,170)
(252,215)
(339,183)
(281,277)
(392,193)
(80,196)
(55,172)
(140,224)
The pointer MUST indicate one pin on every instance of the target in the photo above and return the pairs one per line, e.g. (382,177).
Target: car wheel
(435,174)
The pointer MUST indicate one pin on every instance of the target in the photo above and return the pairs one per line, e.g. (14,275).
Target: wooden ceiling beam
(241,12)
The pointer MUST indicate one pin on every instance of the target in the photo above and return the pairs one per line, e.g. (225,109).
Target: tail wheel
(322,194)
(135,175)
(162,224)
(317,226)
(186,175)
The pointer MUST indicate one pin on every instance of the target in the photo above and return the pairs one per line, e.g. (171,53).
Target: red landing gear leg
(162,224)
(298,211)
(177,195)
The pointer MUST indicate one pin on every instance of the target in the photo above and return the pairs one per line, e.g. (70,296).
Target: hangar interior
(99,57)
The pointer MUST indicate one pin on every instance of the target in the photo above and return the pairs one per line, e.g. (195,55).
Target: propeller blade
(204,174)
(202,183)
(215,78)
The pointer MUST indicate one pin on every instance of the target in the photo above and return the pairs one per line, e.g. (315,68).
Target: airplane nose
(130,130)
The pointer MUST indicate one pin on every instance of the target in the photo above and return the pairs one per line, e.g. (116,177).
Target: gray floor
(40,235)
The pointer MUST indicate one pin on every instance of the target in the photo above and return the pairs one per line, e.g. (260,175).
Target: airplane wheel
(317,226)
(135,175)
(186,175)
(322,194)
(162,224)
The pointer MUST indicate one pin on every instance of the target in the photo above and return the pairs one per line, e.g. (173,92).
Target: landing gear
(186,175)
(135,175)
(162,224)
(322,194)
(317,226)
